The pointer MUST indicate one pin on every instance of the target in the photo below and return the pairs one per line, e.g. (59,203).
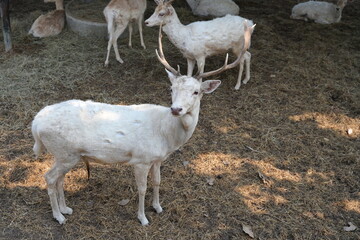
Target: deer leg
(141,173)
(155,172)
(130,33)
(191,65)
(140,21)
(247,58)
(110,28)
(241,69)
(61,198)
(118,31)
(51,178)
(201,65)
(109,48)
(55,182)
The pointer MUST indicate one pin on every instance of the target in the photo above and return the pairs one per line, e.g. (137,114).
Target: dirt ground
(283,152)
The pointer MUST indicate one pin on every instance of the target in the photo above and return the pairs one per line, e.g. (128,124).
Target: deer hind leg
(155,173)
(54,179)
(130,33)
(141,174)
(61,197)
(245,59)
(110,26)
(140,21)
(118,31)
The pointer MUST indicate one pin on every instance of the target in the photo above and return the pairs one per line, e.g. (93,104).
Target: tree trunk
(4,8)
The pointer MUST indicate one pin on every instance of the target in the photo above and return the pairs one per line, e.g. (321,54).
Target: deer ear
(210,85)
(171,76)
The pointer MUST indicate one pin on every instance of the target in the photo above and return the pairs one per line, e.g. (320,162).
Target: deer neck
(175,30)
(178,130)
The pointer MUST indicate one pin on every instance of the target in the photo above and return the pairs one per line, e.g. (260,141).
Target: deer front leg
(141,174)
(155,172)
(190,65)
(140,21)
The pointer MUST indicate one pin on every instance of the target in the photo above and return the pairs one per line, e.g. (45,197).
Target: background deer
(216,8)
(198,40)
(50,24)
(119,14)
(320,12)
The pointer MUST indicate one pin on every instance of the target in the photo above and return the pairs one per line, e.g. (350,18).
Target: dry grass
(289,123)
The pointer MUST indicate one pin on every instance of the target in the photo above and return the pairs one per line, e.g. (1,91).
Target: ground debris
(247,229)
(350,228)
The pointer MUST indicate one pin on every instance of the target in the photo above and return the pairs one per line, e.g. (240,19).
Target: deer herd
(144,135)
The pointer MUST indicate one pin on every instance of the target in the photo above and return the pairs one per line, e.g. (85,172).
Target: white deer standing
(140,135)
(119,14)
(198,40)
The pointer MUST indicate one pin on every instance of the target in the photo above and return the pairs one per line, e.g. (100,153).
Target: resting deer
(320,12)
(216,8)
(50,24)
(139,135)
(119,14)
(199,40)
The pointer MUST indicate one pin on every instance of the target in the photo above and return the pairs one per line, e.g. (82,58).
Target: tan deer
(50,24)
(119,14)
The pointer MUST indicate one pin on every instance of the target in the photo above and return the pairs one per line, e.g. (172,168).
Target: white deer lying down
(216,8)
(50,24)
(119,14)
(199,40)
(320,12)
(140,135)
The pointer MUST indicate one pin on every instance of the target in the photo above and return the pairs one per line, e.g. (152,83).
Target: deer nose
(176,111)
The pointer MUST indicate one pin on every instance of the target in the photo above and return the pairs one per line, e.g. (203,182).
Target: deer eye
(161,14)
(196,93)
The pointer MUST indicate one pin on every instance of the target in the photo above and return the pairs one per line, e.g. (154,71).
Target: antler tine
(247,38)
(161,56)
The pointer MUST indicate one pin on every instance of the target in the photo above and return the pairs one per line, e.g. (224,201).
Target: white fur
(119,14)
(201,39)
(140,135)
(320,12)
(216,8)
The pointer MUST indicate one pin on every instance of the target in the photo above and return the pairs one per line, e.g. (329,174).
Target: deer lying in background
(216,8)
(320,12)
(50,24)
(199,40)
(119,14)
(140,135)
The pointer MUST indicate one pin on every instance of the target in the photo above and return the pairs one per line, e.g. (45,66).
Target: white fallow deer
(198,40)
(139,135)
(216,8)
(319,11)
(50,24)
(119,14)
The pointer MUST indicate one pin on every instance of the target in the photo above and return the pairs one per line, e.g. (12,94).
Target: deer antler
(162,59)
(247,37)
